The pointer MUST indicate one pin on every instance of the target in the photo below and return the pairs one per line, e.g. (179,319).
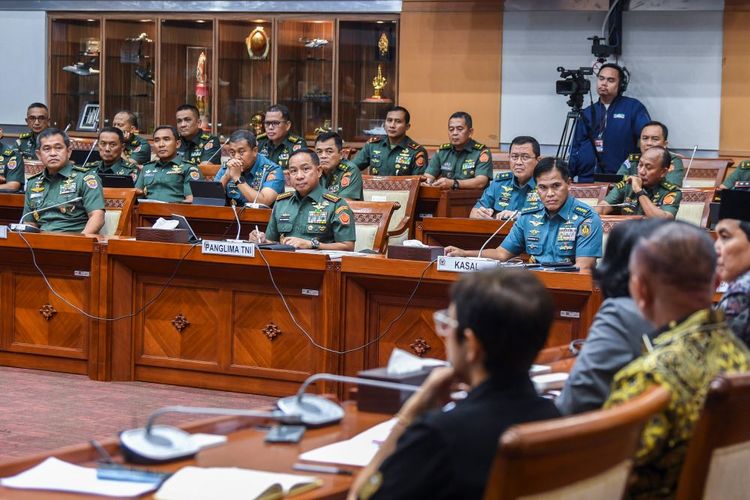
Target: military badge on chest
(68,186)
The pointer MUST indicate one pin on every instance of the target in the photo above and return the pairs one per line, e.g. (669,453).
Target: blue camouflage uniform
(504,193)
(574,231)
(273,178)
(619,127)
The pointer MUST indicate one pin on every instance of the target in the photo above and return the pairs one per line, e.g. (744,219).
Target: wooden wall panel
(735,86)
(450,60)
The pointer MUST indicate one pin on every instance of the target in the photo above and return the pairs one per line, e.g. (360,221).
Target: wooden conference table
(245,448)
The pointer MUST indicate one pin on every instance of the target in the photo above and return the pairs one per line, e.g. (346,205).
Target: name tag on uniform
(285,218)
(619,115)
(446,167)
(36,195)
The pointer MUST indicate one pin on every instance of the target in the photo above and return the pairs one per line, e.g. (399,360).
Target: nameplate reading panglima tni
(236,248)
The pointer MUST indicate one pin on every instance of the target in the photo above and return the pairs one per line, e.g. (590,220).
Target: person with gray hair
(672,275)
(248,176)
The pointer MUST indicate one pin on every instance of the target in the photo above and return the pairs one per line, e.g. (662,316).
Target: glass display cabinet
(75,65)
(129,67)
(334,73)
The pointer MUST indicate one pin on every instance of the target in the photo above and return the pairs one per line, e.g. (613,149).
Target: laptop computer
(78,156)
(116,181)
(208,193)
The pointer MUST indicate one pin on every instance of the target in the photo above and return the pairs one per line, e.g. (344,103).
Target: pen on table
(326,469)
(104,455)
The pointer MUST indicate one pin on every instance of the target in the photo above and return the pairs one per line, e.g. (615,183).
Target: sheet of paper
(402,362)
(357,451)
(56,475)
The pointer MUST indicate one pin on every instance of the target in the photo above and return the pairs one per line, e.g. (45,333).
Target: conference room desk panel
(218,322)
(469,234)
(208,222)
(245,448)
(436,202)
(38,329)
(375,291)
(11,207)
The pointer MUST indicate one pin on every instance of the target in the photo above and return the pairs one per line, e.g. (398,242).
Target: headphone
(624,76)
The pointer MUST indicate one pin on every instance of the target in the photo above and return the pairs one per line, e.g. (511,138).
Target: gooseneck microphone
(316,410)
(164,443)
(93,146)
(233,204)
(512,215)
(255,203)
(222,147)
(27,228)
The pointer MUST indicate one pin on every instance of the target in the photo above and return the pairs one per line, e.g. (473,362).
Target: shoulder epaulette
(205,136)
(24,135)
(38,174)
(583,210)
(479,145)
(8,152)
(503,176)
(81,168)
(634,157)
(284,196)
(330,197)
(414,145)
(374,139)
(668,185)
(260,137)
(344,167)
(90,164)
(532,208)
(129,163)
(445,146)
(294,138)
(744,165)
(134,141)
(620,184)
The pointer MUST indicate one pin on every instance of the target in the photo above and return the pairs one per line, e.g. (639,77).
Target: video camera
(575,84)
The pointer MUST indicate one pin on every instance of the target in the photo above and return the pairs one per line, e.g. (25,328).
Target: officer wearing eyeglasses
(514,190)
(277,144)
(37,119)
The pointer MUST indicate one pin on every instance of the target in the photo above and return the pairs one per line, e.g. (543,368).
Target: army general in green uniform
(739,179)
(340,177)
(396,154)
(37,119)
(136,148)
(111,146)
(168,178)
(196,146)
(654,134)
(309,217)
(463,163)
(11,169)
(59,183)
(648,193)
(278,144)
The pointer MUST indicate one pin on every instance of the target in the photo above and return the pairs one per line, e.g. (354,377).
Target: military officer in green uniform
(278,144)
(136,147)
(37,119)
(309,217)
(654,134)
(648,193)
(168,178)
(511,191)
(463,163)
(340,177)
(395,154)
(111,144)
(739,179)
(196,146)
(61,182)
(11,169)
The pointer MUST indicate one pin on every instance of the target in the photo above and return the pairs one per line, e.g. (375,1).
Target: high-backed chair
(403,190)
(717,458)
(118,204)
(500,162)
(586,456)
(695,206)
(32,167)
(705,172)
(591,194)
(209,170)
(371,223)
(610,221)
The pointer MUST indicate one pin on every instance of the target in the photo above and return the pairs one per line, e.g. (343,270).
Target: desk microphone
(93,146)
(236,239)
(515,212)
(313,410)
(27,228)
(222,147)
(164,443)
(690,164)
(255,203)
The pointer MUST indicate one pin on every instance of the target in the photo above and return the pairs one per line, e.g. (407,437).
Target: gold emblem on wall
(383,44)
(258,43)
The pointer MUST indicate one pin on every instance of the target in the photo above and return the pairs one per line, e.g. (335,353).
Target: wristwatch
(239,181)
(455,183)
(639,194)
(314,243)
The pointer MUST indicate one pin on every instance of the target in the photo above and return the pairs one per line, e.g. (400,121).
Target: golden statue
(383,44)
(256,124)
(378,83)
(201,90)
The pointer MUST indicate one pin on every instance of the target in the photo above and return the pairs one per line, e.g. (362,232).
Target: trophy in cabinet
(201,90)
(257,44)
(378,84)
(256,124)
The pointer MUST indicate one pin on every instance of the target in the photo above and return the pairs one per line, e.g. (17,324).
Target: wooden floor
(46,410)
